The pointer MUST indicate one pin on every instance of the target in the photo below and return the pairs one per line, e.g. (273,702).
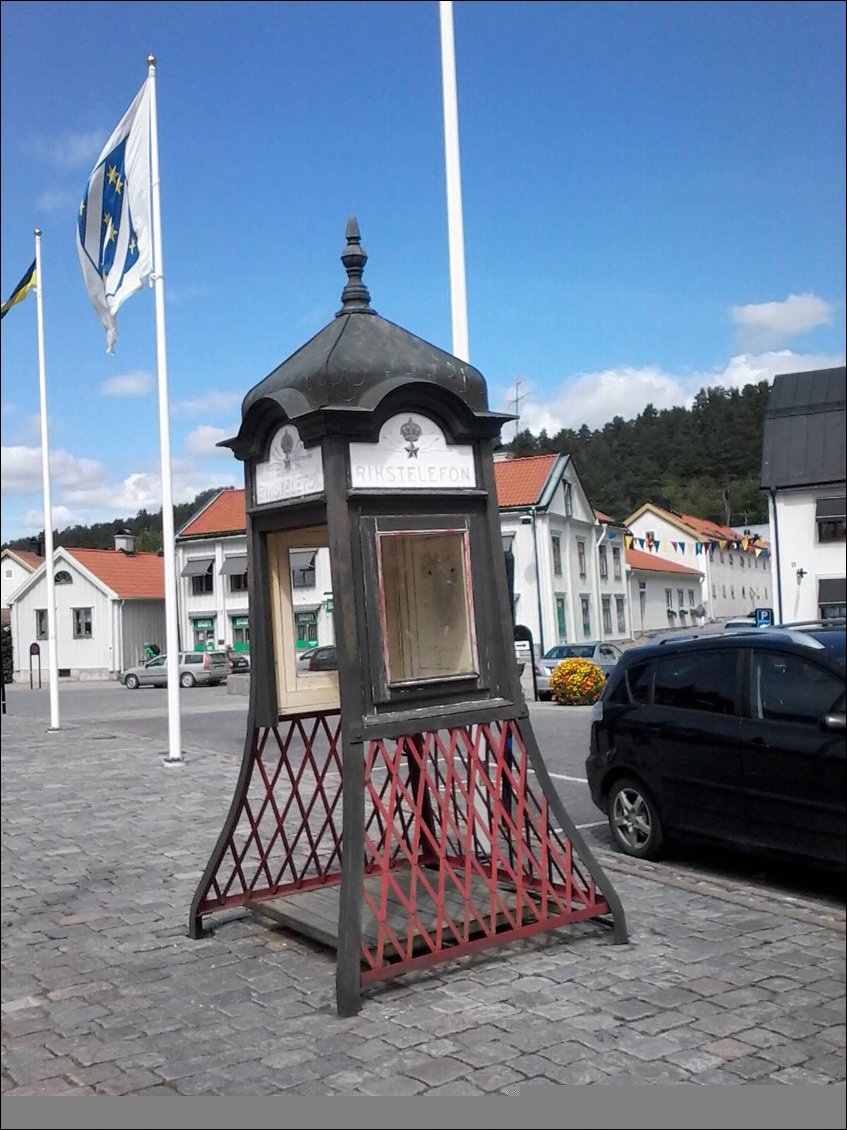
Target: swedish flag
(21,290)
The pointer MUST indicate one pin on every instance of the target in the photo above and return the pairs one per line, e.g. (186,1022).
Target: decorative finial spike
(355,297)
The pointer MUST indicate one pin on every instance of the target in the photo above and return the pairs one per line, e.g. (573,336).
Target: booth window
(41,623)
(428,627)
(303,569)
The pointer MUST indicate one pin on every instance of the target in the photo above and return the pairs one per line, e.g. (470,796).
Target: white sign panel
(411,454)
(291,470)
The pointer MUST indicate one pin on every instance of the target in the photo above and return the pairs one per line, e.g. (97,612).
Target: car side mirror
(837,721)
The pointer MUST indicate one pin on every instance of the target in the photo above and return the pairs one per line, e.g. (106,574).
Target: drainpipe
(537,584)
(775,554)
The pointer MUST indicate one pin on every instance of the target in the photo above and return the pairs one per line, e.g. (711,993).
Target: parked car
(238,660)
(605,655)
(196,668)
(739,623)
(304,658)
(736,738)
(323,659)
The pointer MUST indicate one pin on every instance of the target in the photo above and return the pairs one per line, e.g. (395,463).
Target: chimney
(125,542)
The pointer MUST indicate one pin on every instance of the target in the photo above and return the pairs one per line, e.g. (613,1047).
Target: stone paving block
(494,1078)
(729,1049)
(394,1085)
(436,1072)
(721,1024)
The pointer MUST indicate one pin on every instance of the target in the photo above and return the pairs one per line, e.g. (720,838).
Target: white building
(803,471)
(17,566)
(570,577)
(109,604)
(735,566)
(663,594)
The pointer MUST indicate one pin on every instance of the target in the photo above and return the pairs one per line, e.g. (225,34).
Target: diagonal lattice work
(462,850)
(283,833)
(461,845)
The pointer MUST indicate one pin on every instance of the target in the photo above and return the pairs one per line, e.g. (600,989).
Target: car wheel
(132,682)
(187,680)
(634,819)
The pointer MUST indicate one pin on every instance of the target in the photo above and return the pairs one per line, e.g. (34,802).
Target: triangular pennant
(641,542)
(744,543)
(628,540)
(682,546)
(722,544)
(656,545)
(758,552)
(675,544)
(698,547)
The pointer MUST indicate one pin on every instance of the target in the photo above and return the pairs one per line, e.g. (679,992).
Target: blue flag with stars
(113,226)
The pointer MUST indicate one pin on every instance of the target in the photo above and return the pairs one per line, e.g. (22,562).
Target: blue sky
(653,194)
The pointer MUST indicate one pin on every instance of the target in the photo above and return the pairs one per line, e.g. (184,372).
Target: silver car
(196,668)
(605,655)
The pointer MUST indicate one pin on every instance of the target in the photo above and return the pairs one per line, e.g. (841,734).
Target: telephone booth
(392,801)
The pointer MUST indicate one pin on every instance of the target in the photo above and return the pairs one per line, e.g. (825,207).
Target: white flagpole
(48,506)
(168,547)
(458,297)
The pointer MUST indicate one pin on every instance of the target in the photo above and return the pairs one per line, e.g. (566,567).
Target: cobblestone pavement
(103,993)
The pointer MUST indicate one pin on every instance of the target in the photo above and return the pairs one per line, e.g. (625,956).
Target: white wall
(654,616)
(85,658)
(139,622)
(799,548)
(13,576)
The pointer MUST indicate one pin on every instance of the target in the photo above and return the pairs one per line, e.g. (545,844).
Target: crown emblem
(411,432)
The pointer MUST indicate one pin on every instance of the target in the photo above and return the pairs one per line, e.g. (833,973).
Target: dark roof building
(804,439)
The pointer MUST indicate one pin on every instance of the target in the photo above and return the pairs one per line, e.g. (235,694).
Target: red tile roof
(601,517)
(34,560)
(639,559)
(139,576)
(709,531)
(520,481)
(225,514)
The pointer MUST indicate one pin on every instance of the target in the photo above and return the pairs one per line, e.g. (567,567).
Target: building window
(741,562)
(829,515)
(723,589)
(669,598)
(616,562)
(604,563)
(691,598)
(586,616)
(621,607)
(680,598)
(568,500)
(722,557)
(580,556)
(561,619)
(732,591)
(41,623)
(203,584)
(306,628)
(82,623)
(238,582)
(303,569)
(766,592)
(607,614)
(714,591)
(556,542)
(9,573)
(731,559)
(63,577)
(743,590)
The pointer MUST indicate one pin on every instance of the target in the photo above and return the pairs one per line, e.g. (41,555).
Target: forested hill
(704,460)
(146,526)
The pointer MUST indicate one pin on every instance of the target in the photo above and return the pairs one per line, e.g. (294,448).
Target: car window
(639,679)
(787,688)
(193,657)
(705,680)
(159,661)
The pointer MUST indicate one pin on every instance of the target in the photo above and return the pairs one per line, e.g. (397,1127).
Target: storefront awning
(197,566)
(830,508)
(833,590)
(234,565)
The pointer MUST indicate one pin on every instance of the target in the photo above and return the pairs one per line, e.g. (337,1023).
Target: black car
(238,660)
(737,739)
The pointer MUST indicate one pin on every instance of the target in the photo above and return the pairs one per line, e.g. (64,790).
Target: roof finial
(355,297)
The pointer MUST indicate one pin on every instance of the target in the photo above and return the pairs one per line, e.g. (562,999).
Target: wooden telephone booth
(392,801)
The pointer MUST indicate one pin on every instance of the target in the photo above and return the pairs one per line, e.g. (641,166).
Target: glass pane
(703,681)
(426,618)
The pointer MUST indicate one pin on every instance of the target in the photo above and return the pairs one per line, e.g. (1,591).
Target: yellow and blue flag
(114,223)
(21,290)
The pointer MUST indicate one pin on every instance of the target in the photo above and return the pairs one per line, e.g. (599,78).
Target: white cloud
(68,150)
(595,398)
(203,440)
(128,384)
(21,471)
(212,401)
(765,324)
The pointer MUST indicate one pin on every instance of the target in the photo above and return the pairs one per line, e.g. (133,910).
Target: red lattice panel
(286,834)
(461,850)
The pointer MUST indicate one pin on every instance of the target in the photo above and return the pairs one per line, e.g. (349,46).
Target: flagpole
(174,755)
(458,297)
(48,507)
